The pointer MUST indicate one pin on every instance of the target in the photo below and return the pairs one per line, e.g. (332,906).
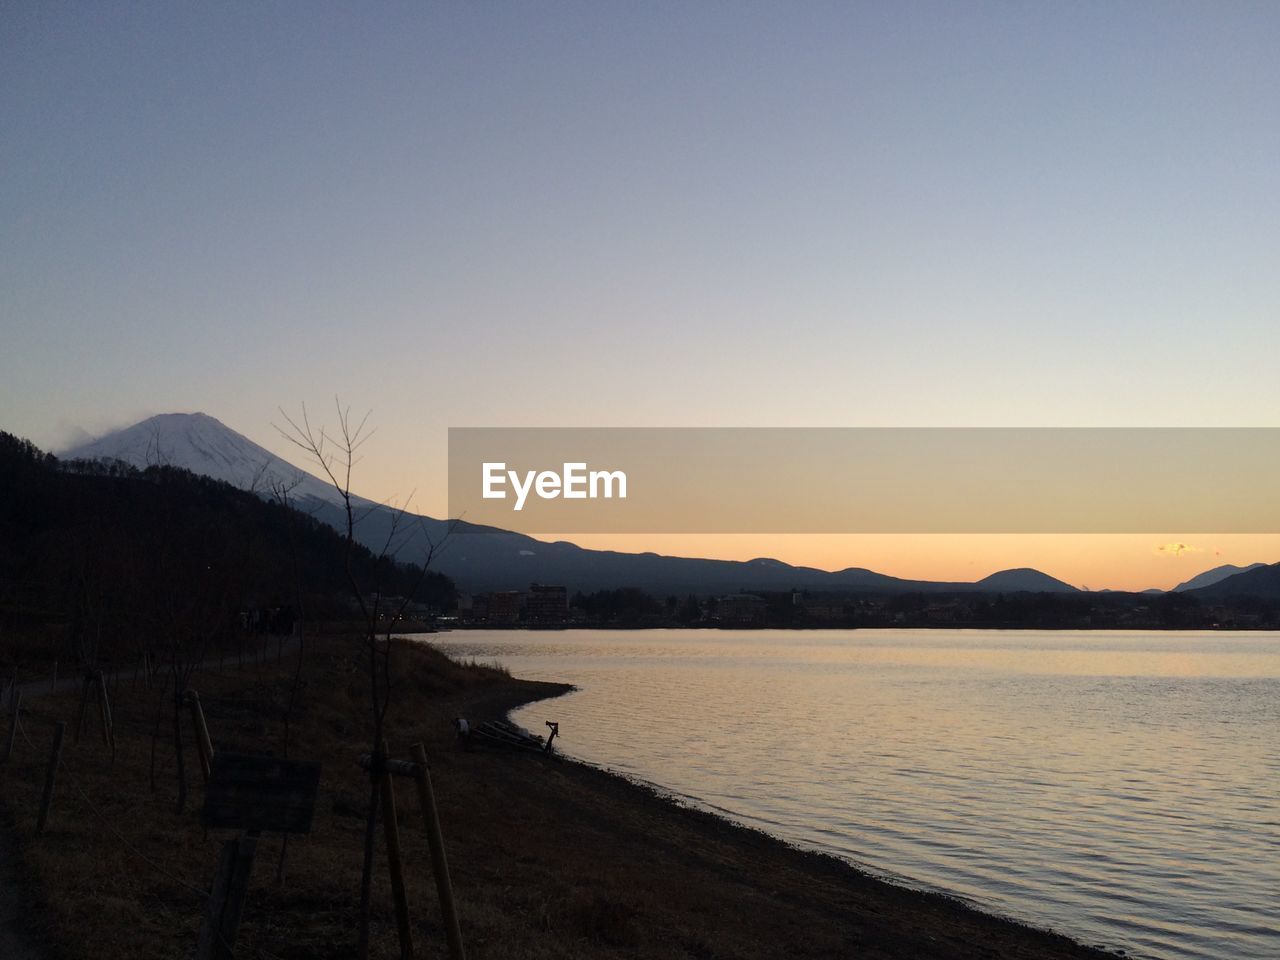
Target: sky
(597,214)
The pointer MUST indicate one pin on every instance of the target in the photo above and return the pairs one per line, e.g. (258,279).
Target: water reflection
(1119,786)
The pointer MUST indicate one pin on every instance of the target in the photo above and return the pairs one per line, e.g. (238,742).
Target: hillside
(1262,582)
(114,552)
(1023,579)
(1215,575)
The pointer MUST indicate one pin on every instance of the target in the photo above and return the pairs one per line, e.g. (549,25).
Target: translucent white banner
(866,480)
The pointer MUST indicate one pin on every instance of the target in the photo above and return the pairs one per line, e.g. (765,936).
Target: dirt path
(74,678)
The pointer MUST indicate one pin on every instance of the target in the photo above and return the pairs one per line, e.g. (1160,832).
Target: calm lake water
(1123,788)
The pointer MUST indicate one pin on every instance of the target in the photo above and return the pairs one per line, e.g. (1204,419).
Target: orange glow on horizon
(1097,561)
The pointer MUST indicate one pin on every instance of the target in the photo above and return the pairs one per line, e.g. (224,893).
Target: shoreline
(729,831)
(550,858)
(815,628)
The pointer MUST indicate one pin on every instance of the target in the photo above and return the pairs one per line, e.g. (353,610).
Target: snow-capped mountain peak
(204,445)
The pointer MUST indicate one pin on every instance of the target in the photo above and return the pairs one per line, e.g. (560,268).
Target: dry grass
(30,652)
(550,859)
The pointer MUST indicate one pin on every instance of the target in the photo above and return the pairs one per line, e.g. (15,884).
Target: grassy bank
(549,858)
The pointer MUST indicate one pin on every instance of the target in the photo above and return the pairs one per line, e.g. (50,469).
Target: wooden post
(366,875)
(55,757)
(209,927)
(15,697)
(221,924)
(247,847)
(394,862)
(104,711)
(203,745)
(555,728)
(439,863)
(84,705)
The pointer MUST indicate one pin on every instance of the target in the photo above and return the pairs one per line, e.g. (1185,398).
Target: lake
(1120,787)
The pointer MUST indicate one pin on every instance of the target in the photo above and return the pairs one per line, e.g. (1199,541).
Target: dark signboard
(248,792)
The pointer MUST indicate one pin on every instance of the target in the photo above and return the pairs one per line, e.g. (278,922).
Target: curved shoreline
(941,907)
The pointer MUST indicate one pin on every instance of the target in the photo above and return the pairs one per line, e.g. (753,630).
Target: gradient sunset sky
(655,214)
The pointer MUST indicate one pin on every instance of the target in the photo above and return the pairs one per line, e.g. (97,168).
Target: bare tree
(281,493)
(336,454)
(193,577)
(194,609)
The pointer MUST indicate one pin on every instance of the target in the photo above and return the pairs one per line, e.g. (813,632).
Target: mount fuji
(204,445)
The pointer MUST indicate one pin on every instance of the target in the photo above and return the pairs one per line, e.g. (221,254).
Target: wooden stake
(209,927)
(248,846)
(203,745)
(221,923)
(16,699)
(54,757)
(84,706)
(394,862)
(439,863)
(104,711)
(366,875)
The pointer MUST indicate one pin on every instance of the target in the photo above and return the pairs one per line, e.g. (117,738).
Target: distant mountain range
(1216,575)
(486,558)
(1260,580)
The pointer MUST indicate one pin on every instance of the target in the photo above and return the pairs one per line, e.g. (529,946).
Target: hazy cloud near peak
(1177,549)
(68,435)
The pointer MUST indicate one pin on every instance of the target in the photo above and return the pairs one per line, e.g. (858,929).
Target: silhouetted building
(547,604)
(741,608)
(501,606)
(824,608)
